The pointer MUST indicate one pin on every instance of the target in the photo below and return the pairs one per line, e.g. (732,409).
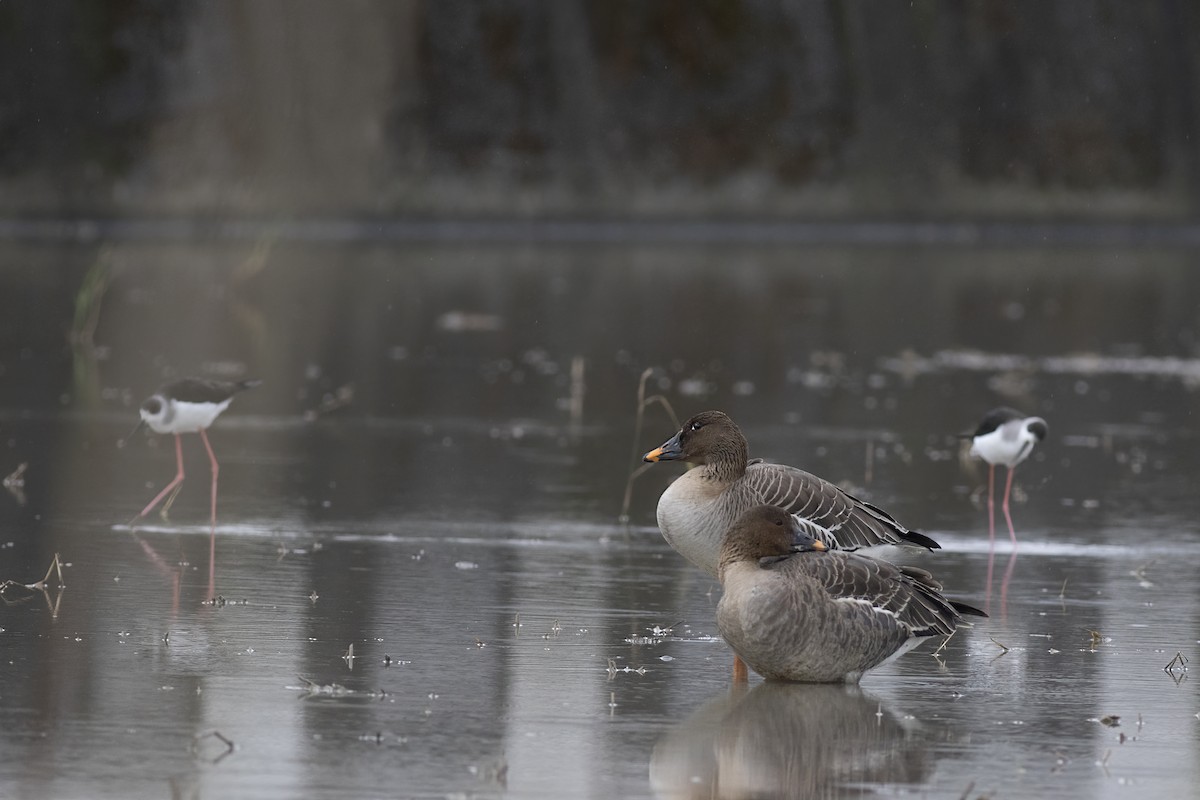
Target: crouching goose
(697,509)
(794,613)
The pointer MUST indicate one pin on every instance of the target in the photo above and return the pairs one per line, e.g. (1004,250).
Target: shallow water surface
(422,589)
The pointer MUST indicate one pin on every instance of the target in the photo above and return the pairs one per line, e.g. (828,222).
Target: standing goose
(1005,436)
(796,614)
(697,509)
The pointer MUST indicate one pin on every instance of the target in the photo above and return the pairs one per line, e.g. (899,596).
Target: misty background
(518,109)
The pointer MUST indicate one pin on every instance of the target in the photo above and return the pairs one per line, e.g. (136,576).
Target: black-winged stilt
(188,405)
(1004,436)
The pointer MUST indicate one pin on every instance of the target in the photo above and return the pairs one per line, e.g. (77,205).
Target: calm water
(433,473)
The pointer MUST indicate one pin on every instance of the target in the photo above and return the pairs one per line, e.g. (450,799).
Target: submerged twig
(633,475)
(642,403)
(946,641)
(1179,662)
(214,734)
(37,586)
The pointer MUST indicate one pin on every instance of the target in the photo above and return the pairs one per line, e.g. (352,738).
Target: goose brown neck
(727,459)
(752,539)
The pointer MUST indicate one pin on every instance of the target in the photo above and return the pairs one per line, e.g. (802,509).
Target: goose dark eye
(697,426)
(779,523)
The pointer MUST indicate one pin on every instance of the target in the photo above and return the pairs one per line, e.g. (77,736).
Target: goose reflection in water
(782,740)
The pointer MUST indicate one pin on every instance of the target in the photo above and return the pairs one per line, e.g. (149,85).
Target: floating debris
(614,670)
(221,602)
(1140,574)
(312,688)
(15,483)
(643,640)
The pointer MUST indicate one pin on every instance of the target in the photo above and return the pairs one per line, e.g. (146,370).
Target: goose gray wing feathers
(883,595)
(840,520)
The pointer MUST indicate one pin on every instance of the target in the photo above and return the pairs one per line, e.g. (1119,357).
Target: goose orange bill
(670,450)
(803,540)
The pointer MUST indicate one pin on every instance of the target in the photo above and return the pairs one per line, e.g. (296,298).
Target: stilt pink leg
(1012,534)
(212,534)
(992,504)
(173,484)
(215,469)
(741,672)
